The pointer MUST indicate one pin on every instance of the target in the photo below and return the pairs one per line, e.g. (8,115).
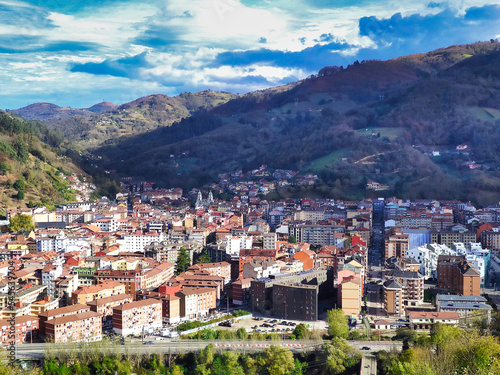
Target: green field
(486,114)
(320,163)
(391,133)
(186,165)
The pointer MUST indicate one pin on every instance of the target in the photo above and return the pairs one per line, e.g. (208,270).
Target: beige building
(137,317)
(171,309)
(349,290)
(396,244)
(105,306)
(43,305)
(196,302)
(105,289)
(222,269)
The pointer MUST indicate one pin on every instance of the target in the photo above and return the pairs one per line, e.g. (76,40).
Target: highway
(36,351)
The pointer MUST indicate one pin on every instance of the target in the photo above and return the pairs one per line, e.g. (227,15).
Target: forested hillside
(424,125)
(33,169)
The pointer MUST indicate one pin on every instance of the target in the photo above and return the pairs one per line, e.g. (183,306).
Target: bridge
(38,351)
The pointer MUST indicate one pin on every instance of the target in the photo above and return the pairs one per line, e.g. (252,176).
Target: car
(284,323)
(274,321)
(401,320)
(254,327)
(365,348)
(148,342)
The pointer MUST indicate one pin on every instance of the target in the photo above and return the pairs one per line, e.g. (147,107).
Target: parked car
(365,348)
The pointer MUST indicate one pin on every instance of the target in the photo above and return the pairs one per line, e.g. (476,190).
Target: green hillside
(372,120)
(32,170)
(137,117)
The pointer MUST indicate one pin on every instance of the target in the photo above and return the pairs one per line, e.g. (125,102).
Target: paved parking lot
(250,322)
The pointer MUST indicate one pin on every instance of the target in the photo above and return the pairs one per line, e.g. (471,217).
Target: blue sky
(78,53)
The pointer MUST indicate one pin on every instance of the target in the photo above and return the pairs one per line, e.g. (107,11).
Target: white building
(57,243)
(132,242)
(49,275)
(235,243)
(427,256)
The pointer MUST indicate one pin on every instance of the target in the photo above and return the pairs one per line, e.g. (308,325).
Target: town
(152,259)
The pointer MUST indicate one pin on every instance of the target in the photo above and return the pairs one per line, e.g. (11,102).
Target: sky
(79,53)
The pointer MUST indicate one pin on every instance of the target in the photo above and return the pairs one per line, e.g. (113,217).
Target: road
(368,365)
(35,351)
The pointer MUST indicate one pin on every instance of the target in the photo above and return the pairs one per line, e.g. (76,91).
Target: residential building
(457,275)
(104,289)
(393,298)
(349,295)
(83,326)
(262,289)
(196,302)
(450,237)
(58,313)
(295,301)
(396,244)
(105,306)
(26,330)
(469,308)
(241,291)
(137,317)
(425,320)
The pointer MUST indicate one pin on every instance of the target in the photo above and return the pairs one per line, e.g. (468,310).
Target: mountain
(139,116)
(425,125)
(372,120)
(32,170)
(102,107)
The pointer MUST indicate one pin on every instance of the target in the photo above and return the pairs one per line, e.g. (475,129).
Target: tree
(19,185)
(21,223)
(20,195)
(183,261)
(277,360)
(203,258)
(338,325)
(292,239)
(339,356)
(300,331)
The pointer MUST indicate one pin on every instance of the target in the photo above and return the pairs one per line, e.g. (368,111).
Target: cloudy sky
(78,53)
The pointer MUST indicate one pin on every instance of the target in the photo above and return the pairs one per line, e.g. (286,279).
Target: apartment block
(26,330)
(349,294)
(241,291)
(222,269)
(105,306)
(137,317)
(60,312)
(84,326)
(425,320)
(262,289)
(396,244)
(196,302)
(448,238)
(393,298)
(295,301)
(457,275)
(105,289)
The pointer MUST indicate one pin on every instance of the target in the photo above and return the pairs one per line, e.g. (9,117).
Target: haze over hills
(372,120)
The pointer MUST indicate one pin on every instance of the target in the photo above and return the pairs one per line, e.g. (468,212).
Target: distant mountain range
(396,122)
(48,112)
